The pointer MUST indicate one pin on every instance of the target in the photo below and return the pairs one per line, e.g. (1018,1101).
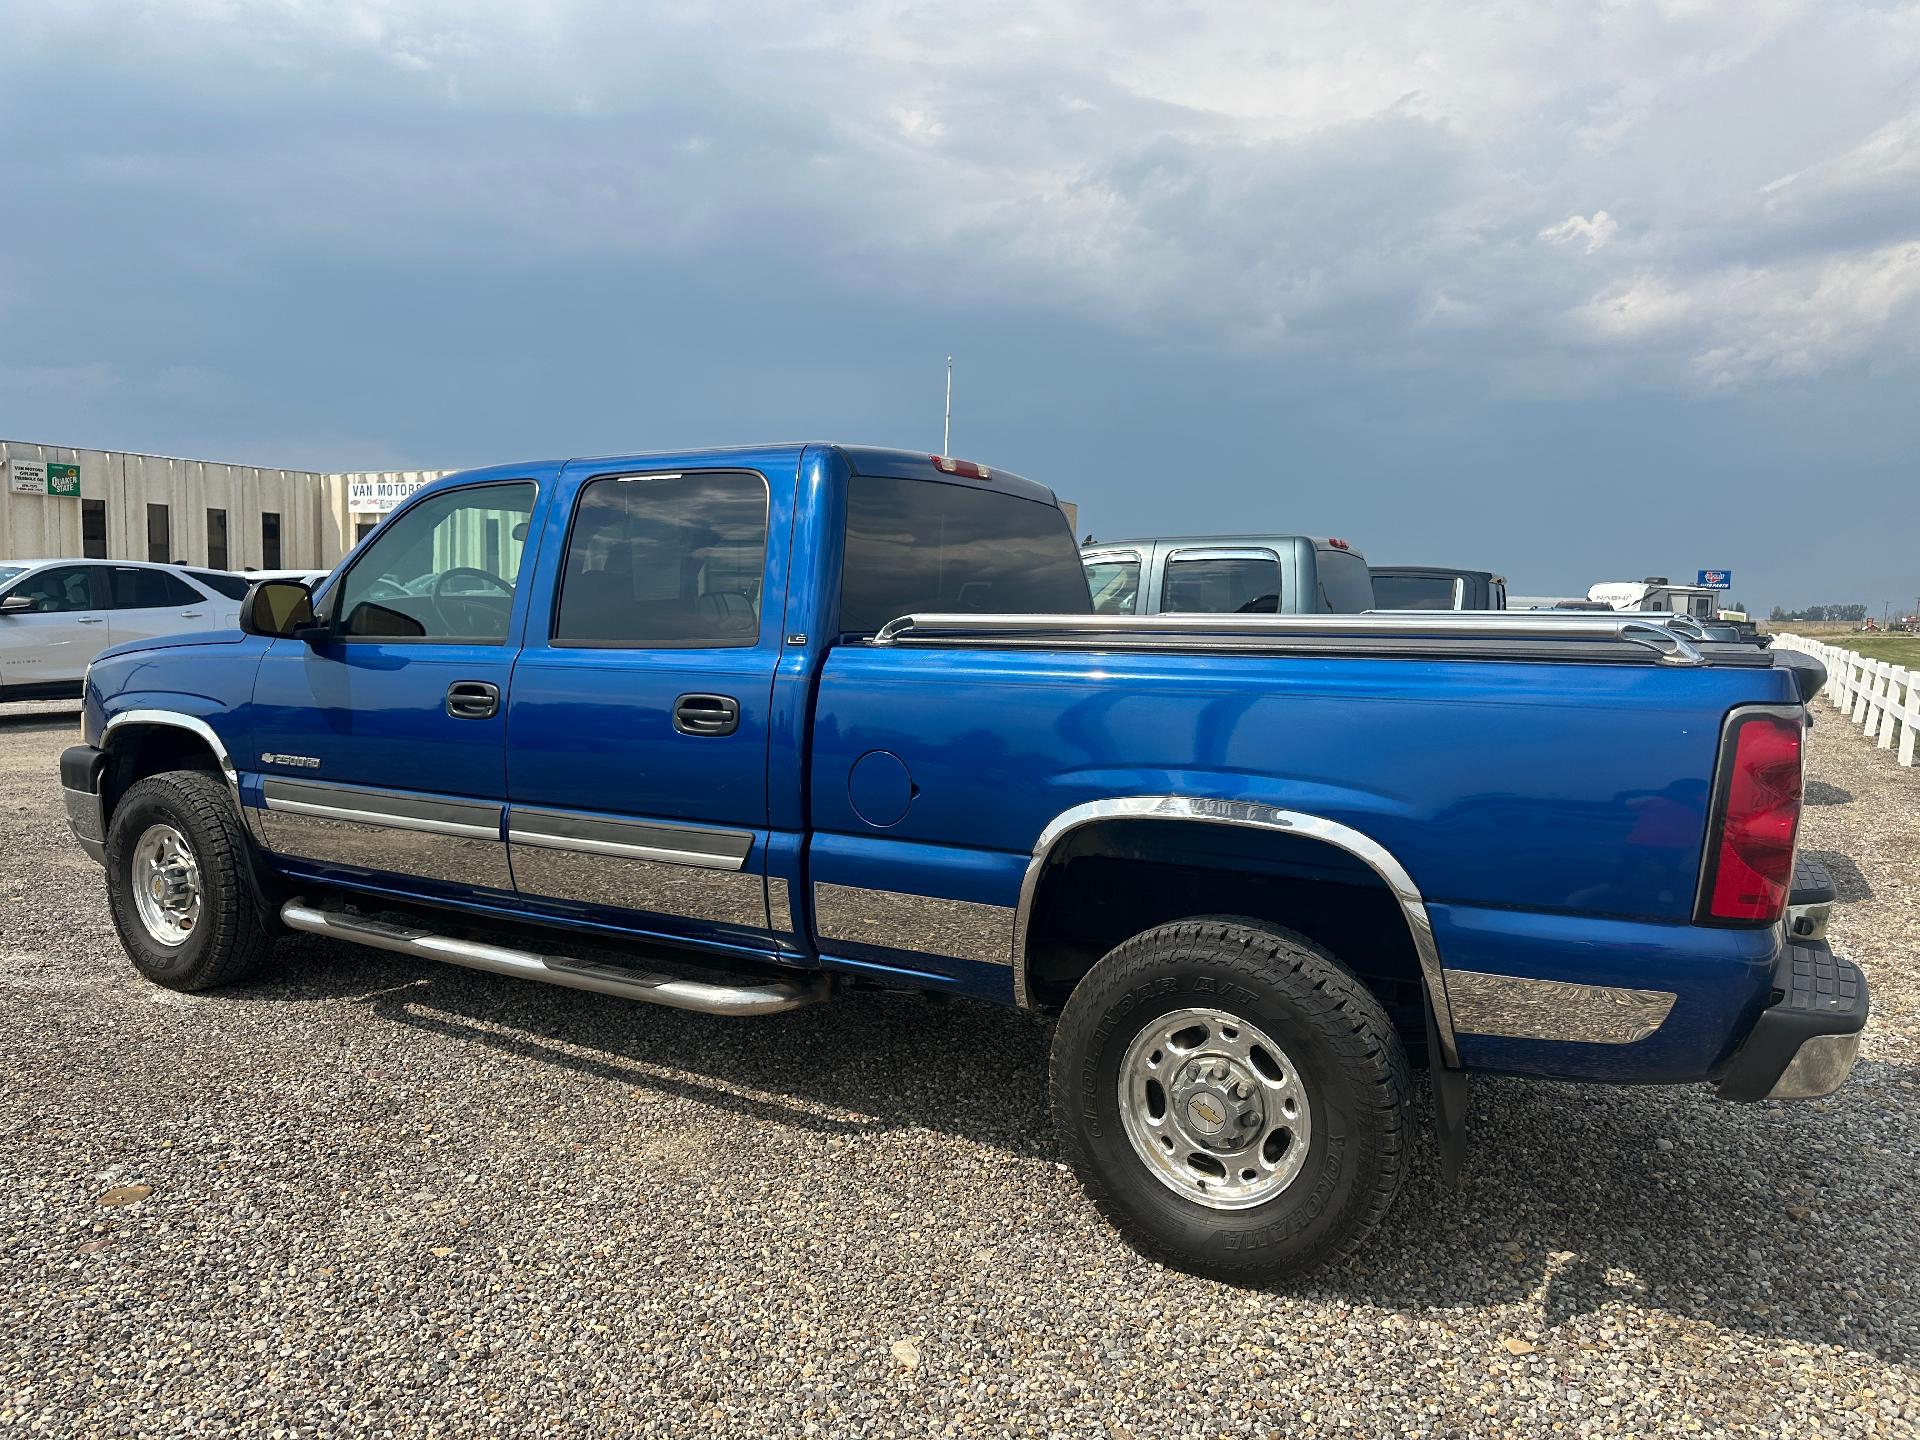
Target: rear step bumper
(768,996)
(1811,900)
(1804,1045)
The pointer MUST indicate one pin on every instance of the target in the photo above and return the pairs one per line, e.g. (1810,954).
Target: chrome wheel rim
(1215,1110)
(166,884)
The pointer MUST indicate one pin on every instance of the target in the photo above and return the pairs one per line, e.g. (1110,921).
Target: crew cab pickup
(737,730)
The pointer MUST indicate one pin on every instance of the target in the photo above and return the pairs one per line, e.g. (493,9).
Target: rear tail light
(1756,812)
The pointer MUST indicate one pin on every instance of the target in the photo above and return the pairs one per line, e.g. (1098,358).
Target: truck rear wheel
(177,883)
(1232,1098)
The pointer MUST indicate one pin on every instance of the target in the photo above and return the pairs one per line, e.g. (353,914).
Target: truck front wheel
(176,883)
(1232,1098)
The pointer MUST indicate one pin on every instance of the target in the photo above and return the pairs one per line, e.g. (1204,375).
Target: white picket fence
(1880,698)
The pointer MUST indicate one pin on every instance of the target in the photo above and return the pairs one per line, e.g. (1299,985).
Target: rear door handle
(706,715)
(473,700)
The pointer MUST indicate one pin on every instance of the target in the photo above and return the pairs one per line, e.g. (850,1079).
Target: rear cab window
(931,547)
(1415,592)
(1345,584)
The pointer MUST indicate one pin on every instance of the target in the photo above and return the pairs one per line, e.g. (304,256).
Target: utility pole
(946,430)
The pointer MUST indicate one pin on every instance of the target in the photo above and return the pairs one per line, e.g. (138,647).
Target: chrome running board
(762,997)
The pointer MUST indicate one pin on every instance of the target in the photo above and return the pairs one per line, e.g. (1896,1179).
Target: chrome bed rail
(1436,634)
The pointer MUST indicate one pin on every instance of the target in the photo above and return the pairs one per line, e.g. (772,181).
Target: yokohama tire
(1342,1058)
(186,814)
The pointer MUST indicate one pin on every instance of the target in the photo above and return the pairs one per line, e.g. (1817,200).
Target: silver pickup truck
(1228,575)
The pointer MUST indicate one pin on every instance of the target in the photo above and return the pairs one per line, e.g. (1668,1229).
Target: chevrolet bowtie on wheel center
(733,730)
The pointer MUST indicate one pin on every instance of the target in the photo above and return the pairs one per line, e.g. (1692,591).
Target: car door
(380,742)
(149,601)
(51,643)
(639,719)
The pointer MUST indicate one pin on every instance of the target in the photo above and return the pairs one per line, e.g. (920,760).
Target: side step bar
(763,997)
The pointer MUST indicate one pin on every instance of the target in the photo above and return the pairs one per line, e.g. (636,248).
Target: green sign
(63,480)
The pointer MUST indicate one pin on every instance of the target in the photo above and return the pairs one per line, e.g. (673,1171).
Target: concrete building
(113,505)
(116,505)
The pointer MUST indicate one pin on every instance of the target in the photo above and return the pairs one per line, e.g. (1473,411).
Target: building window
(364,528)
(93,529)
(269,540)
(159,534)
(217,540)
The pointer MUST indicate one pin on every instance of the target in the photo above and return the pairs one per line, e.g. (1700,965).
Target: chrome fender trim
(179,720)
(1258,817)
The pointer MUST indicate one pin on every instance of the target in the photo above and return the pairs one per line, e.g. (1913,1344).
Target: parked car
(1437,587)
(818,716)
(56,615)
(1228,575)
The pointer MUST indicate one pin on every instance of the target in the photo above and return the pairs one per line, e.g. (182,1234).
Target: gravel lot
(391,1198)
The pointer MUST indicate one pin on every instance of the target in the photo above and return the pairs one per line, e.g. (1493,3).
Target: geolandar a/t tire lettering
(1232,1098)
(177,883)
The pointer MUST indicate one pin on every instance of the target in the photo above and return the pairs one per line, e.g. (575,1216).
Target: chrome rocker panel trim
(1260,817)
(1521,1008)
(924,924)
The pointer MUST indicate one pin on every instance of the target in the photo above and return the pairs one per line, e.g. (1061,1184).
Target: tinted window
(150,590)
(159,534)
(1346,584)
(1412,592)
(234,587)
(1115,584)
(1222,585)
(927,547)
(443,570)
(57,591)
(93,529)
(269,540)
(665,560)
(217,539)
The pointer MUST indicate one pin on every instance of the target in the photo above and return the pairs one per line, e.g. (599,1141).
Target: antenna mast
(946,430)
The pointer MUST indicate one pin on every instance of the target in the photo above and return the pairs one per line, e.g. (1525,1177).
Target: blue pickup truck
(737,729)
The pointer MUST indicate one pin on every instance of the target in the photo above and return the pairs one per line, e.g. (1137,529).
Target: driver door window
(443,571)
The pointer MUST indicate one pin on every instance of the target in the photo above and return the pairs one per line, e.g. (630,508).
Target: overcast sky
(1576,292)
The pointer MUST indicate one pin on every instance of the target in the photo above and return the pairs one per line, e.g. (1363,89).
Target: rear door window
(135,589)
(665,562)
(1239,582)
(927,547)
(1115,582)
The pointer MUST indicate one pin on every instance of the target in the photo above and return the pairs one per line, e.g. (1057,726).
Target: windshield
(1413,592)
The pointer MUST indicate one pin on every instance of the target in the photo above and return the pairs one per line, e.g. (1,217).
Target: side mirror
(277,608)
(16,604)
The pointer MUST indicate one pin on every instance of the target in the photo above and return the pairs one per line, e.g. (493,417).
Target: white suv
(56,615)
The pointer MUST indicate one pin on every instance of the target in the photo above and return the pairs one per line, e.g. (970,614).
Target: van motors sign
(377,494)
(43,477)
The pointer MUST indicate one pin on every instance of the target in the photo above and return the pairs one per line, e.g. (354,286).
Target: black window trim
(566,549)
(333,619)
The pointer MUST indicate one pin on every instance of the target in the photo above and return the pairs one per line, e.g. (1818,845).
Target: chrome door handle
(96,620)
(706,715)
(473,700)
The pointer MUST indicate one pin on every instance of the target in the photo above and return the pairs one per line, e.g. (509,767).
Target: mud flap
(1449,1105)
